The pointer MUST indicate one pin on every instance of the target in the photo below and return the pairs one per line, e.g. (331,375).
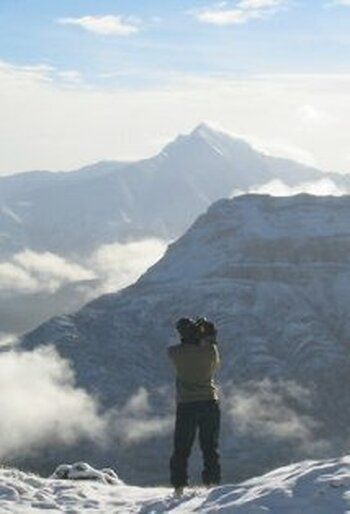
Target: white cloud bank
(108,25)
(113,266)
(323,187)
(63,128)
(119,265)
(30,272)
(39,405)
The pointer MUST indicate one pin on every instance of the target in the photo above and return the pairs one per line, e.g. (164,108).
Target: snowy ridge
(301,231)
(310,487)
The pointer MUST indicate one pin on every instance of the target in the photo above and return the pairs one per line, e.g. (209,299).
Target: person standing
(196,360)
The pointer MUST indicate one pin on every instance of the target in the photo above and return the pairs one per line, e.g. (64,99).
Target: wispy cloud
(30,272)
(240,13)
(323,187)
(226,16)
(135,422)
(108,25)
(114,266)
(70,76)
(7,340)
(119,265)
(25,75)
(259,4)
(41,406)
(40,285)
(269,410)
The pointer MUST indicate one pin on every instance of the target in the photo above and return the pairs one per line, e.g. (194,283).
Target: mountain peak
(203,128)
(211,136)
(202,133)
(206,132)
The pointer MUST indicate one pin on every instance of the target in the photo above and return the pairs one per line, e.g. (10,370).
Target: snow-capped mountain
(274,274)
(74,213)
(311,487)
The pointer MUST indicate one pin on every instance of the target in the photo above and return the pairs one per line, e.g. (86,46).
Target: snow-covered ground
(309,487)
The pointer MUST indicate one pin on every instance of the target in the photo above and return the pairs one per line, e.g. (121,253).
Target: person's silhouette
(195,359)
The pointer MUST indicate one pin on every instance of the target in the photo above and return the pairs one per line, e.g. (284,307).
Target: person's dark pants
(204,416)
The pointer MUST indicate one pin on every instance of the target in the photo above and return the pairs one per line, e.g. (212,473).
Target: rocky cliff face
(274,274)
(273,270)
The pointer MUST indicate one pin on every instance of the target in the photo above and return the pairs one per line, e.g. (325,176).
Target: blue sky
(295,36)
(89,80)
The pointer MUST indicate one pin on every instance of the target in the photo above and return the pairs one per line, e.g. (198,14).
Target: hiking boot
(210,485)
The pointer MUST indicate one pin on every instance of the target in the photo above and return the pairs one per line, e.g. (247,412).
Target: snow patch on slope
(10,214)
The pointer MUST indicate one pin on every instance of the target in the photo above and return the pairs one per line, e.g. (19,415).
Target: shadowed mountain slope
(274,274)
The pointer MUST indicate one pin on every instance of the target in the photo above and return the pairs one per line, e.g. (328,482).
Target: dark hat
(188,330)
(184,324)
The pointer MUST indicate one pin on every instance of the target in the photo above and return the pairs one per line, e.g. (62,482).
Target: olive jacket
(195,367)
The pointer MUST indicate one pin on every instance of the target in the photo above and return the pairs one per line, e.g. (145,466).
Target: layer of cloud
(111,267)
(271,410)
(25,74)
(39,405)
(104,124)
(240,13)
(108,25)
(7,340)
(136,422)
(323,187)
(119,265)
(50,267)
(14,278)
(30,272)
(311,115)
(15,75)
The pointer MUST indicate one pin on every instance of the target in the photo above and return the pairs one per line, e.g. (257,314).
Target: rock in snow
(83,471)
(309,487)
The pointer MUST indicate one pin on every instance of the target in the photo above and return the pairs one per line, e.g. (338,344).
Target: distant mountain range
(274,274)
(74,213)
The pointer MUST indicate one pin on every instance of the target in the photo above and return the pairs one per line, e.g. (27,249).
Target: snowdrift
(309,487)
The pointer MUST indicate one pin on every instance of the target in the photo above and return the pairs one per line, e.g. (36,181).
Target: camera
(196,331)
(207,330)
